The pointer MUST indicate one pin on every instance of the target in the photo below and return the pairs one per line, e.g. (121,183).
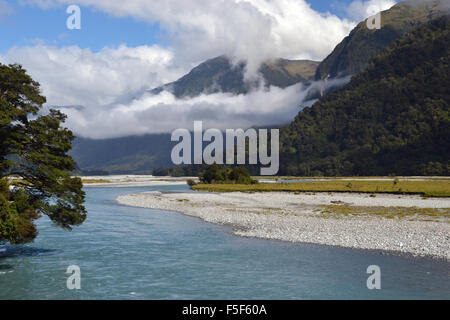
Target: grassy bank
(429,188)
(412,213)
(352,178)
(91,181)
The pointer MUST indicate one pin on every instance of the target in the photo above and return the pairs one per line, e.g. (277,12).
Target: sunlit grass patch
(427,188)
(91,181)
(408,213)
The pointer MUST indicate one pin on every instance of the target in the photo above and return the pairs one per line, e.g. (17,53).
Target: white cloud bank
(111,83)
(252,30)
(164,112)
(74,76)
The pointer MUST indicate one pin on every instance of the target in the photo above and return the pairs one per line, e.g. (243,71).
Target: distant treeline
(196,170)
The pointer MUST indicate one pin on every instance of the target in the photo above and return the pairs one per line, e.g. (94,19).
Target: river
(134,253)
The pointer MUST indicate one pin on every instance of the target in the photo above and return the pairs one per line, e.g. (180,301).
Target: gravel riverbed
(300,218)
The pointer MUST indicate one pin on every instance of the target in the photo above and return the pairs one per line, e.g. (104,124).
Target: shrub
(214,174)
(191,182)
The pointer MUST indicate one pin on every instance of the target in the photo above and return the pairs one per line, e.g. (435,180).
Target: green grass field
(90,181)
(428,188)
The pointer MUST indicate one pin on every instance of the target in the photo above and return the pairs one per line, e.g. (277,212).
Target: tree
(215,174)
(240,176)
(34,165)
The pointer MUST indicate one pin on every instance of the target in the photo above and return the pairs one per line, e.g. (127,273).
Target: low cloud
(164,112)
(360,10)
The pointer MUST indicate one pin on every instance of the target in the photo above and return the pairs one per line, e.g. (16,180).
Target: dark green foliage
(179,171)
(34,149)
(214,174)
(353,54)
(240,176)
(161,172)
(191,182)
(392,118)
(191,170)
(16,215)
(194,170)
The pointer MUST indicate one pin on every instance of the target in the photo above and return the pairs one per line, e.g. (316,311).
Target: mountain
(353,54)
(393,118)
(220,75)
(142,154)
(134,154)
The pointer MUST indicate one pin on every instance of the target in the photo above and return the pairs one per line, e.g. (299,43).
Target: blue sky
(30,25)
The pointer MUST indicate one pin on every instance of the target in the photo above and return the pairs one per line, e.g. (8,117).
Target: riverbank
(118,181)
(421,226)
(424,187)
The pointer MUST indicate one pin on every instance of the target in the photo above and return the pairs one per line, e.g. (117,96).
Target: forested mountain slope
(393,118)
(352,55)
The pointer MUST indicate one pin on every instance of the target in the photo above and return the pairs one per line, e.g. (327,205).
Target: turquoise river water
(133,253)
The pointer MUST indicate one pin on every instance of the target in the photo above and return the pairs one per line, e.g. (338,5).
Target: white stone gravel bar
(295,218)
(125,181)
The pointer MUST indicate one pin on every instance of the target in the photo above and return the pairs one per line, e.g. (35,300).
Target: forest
(391,119)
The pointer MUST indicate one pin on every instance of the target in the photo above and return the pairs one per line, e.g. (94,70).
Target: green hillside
(135,154)
(353,54)
(392,118)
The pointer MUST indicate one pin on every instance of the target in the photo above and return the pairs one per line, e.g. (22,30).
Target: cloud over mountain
(110,84)
(164,112)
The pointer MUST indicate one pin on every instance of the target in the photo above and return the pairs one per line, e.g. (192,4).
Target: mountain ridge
(220,75)
(354,52)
